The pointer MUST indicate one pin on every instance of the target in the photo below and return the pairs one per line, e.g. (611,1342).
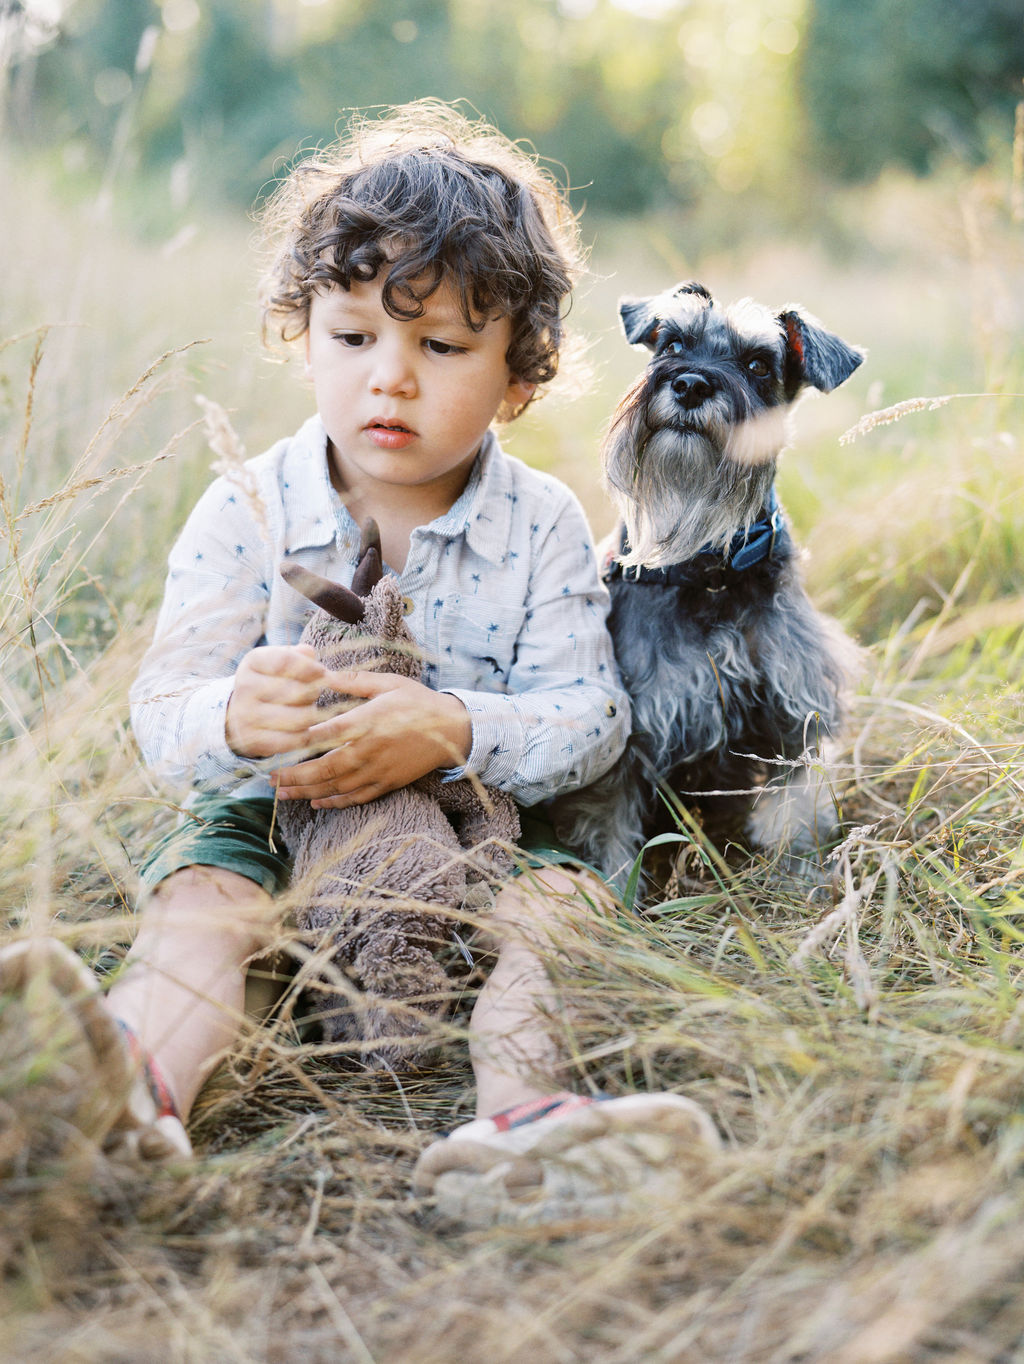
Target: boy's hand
(403,731)
(273,705)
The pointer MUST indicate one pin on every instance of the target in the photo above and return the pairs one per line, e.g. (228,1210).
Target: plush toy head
(362,626)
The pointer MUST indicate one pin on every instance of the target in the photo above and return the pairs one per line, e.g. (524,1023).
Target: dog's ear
(642,317)
(813,355)
(692,286)
(640,321)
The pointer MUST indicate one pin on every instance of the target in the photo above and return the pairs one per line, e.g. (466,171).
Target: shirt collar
(482,513)
(311,519)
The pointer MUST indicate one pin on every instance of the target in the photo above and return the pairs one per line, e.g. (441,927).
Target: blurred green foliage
(899,80)
(648,103)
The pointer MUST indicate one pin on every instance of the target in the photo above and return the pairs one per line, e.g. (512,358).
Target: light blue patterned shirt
(503,596)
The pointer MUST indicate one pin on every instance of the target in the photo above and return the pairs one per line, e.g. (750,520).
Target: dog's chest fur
(693,659)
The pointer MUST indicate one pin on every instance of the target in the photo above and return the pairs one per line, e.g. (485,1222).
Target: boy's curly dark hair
(424,196)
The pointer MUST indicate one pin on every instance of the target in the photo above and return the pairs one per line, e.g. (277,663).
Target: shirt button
(407,606)
(610,708)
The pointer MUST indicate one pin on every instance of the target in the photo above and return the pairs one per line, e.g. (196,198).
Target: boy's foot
(569,1156)
(72,1076)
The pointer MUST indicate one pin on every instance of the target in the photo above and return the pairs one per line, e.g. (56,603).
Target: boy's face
(405,403)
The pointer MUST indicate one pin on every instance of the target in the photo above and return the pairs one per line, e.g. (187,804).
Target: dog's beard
(680,490)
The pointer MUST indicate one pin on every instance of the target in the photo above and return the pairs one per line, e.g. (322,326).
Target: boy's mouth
(389,435)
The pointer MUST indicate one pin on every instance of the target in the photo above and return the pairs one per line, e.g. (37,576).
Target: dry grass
(862,1059)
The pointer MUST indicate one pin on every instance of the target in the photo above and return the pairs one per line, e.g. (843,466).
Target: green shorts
(235,834)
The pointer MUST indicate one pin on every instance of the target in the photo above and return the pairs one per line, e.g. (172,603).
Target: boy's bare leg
(515,1059)
(183,988)
(536,1152)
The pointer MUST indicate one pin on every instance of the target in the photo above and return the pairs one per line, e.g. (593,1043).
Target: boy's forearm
(536,745)
(180,732)
(454,729)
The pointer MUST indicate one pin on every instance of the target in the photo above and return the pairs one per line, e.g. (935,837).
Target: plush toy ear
(336,600)
(370,568)
(813,355)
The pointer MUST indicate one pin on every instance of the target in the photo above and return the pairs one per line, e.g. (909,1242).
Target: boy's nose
(393,372)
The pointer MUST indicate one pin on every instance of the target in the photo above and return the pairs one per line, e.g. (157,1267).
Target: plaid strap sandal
(75,1078)
(150,1127)
(569,1156)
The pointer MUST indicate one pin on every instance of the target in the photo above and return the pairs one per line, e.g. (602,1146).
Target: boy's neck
(398,509)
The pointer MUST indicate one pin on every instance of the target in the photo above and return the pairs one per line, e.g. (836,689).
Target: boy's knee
(571,882)
(551,898)
(210,900)
(213,884)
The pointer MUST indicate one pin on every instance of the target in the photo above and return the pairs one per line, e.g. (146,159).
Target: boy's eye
(350,338)
(438,347)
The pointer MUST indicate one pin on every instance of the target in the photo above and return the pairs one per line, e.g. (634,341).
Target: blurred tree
(647,103)
(908,80)
(89,69)
(238,86)
(238,99)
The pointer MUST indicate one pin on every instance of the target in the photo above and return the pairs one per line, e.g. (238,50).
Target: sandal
(72,1071)
(569,1156)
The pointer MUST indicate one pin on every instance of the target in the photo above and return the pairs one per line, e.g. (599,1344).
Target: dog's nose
(690,388)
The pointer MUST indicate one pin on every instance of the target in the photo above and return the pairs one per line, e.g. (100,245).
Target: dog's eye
(759,368)
(675,348)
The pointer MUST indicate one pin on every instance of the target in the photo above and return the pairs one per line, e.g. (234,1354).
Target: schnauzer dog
(735,679)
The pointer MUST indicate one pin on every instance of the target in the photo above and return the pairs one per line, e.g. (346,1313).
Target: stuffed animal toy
(383,883)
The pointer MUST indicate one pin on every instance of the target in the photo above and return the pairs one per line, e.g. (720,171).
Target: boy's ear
(307,367)
(517,395)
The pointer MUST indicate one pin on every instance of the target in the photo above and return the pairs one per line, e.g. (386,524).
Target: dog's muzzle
(690,389)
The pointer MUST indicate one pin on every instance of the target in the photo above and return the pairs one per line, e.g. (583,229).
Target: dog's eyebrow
(753,325)
(682,325)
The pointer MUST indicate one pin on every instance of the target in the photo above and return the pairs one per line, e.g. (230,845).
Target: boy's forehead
(443,305)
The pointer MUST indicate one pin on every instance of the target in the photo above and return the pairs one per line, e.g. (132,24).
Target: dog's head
(755,357)
(692,448)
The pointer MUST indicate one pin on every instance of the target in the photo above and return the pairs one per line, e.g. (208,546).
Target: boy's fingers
(339,771)
(325,795)
(315,775)
(363,683)
(289,720)
(298,662)
(361,797)
(280,729)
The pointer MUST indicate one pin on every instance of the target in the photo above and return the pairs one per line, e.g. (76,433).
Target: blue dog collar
(765,538)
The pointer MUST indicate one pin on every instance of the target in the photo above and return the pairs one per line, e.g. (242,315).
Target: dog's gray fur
(735,679)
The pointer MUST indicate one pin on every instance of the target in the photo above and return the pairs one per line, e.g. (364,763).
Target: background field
(862,1059)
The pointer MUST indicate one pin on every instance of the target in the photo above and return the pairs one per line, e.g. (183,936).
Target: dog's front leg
(795,813)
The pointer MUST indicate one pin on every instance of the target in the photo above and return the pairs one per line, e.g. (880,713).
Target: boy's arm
(565,716)
(214,700)
(214,612)
(562,723)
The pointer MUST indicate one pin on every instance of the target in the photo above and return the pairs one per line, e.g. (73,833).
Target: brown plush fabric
(384,882)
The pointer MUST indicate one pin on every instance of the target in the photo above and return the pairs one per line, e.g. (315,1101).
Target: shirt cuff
(206,715)
(497,747)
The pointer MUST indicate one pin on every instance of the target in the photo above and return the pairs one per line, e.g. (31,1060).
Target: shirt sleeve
(565,717)
(214,611)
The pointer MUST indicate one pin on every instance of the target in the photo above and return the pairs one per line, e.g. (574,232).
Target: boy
(424,265)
